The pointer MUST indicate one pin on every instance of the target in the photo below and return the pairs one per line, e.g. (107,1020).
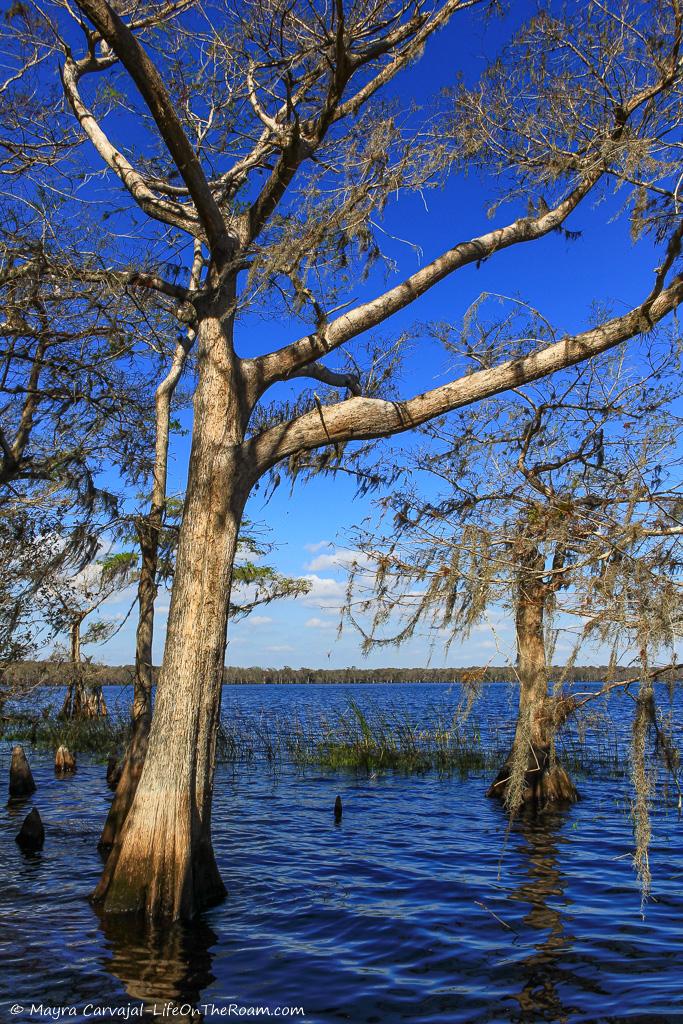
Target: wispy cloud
(324,592)
(340,558)
(316,623)
(318,546)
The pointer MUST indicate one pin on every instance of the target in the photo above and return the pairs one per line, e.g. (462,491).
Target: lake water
(421,905)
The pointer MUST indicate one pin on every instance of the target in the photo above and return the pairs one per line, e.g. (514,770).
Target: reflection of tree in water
(541,972)
(160,963)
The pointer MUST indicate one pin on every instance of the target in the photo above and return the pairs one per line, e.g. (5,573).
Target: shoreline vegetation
(28,674)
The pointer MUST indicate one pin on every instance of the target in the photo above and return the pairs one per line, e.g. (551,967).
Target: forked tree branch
(300,141)
(149,82)
(422,29)
(281,363)
(160,209)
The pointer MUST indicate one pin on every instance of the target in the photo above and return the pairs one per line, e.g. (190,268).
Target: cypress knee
(65,762)
(21,782)
(31,836)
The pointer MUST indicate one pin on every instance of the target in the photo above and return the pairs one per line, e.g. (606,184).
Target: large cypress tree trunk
(531,774)
(162,862)
(149,534)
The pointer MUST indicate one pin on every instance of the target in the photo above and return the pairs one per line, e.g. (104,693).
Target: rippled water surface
(421,905)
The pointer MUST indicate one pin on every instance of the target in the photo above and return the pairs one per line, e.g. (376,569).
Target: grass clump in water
(379,741)
(98,736)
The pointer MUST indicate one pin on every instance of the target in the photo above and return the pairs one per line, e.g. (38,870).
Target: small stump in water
(545,781)
(21,782)
(32,834)
(65,762)
(114,770)
(338,810)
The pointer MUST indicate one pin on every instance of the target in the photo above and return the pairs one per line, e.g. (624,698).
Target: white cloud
(259,620)
(279,648)
(316,623)
(324,591)
(318,546)
(342,558)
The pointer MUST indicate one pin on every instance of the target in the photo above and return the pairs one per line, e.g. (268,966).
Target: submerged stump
(21,782)
(31,836)
(65,762)
(545,781)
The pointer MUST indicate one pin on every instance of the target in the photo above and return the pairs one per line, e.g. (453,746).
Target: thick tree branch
(332,377)
(148,80)
(159,284)
(160,209)
(366,418)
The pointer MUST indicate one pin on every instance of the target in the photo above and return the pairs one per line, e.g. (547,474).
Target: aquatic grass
(99,736)
(592,744)
(373,739)
(377,740)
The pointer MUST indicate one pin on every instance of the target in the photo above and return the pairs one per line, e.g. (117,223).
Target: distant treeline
(49,673)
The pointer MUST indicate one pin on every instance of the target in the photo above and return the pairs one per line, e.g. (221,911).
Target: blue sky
(310,526)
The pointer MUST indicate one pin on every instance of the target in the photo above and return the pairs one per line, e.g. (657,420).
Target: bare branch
(281,363)
(332,377)
(159,209)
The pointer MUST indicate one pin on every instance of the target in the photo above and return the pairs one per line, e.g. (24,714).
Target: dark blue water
(420,906)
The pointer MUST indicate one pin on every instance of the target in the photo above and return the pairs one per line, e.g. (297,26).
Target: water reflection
(158,965)
(544,891)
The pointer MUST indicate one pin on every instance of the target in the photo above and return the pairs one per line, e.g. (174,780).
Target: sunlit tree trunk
(162,861)
(531,774)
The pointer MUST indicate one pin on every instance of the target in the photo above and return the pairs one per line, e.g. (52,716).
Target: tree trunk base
(545,783)
(160,865)
(83,702)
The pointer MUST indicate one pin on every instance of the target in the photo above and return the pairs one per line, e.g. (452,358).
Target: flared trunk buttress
(162,861)
(531,775)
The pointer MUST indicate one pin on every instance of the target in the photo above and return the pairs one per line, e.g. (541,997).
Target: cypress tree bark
(531,767)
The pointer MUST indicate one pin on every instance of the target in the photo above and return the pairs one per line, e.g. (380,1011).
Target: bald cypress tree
(558,510)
